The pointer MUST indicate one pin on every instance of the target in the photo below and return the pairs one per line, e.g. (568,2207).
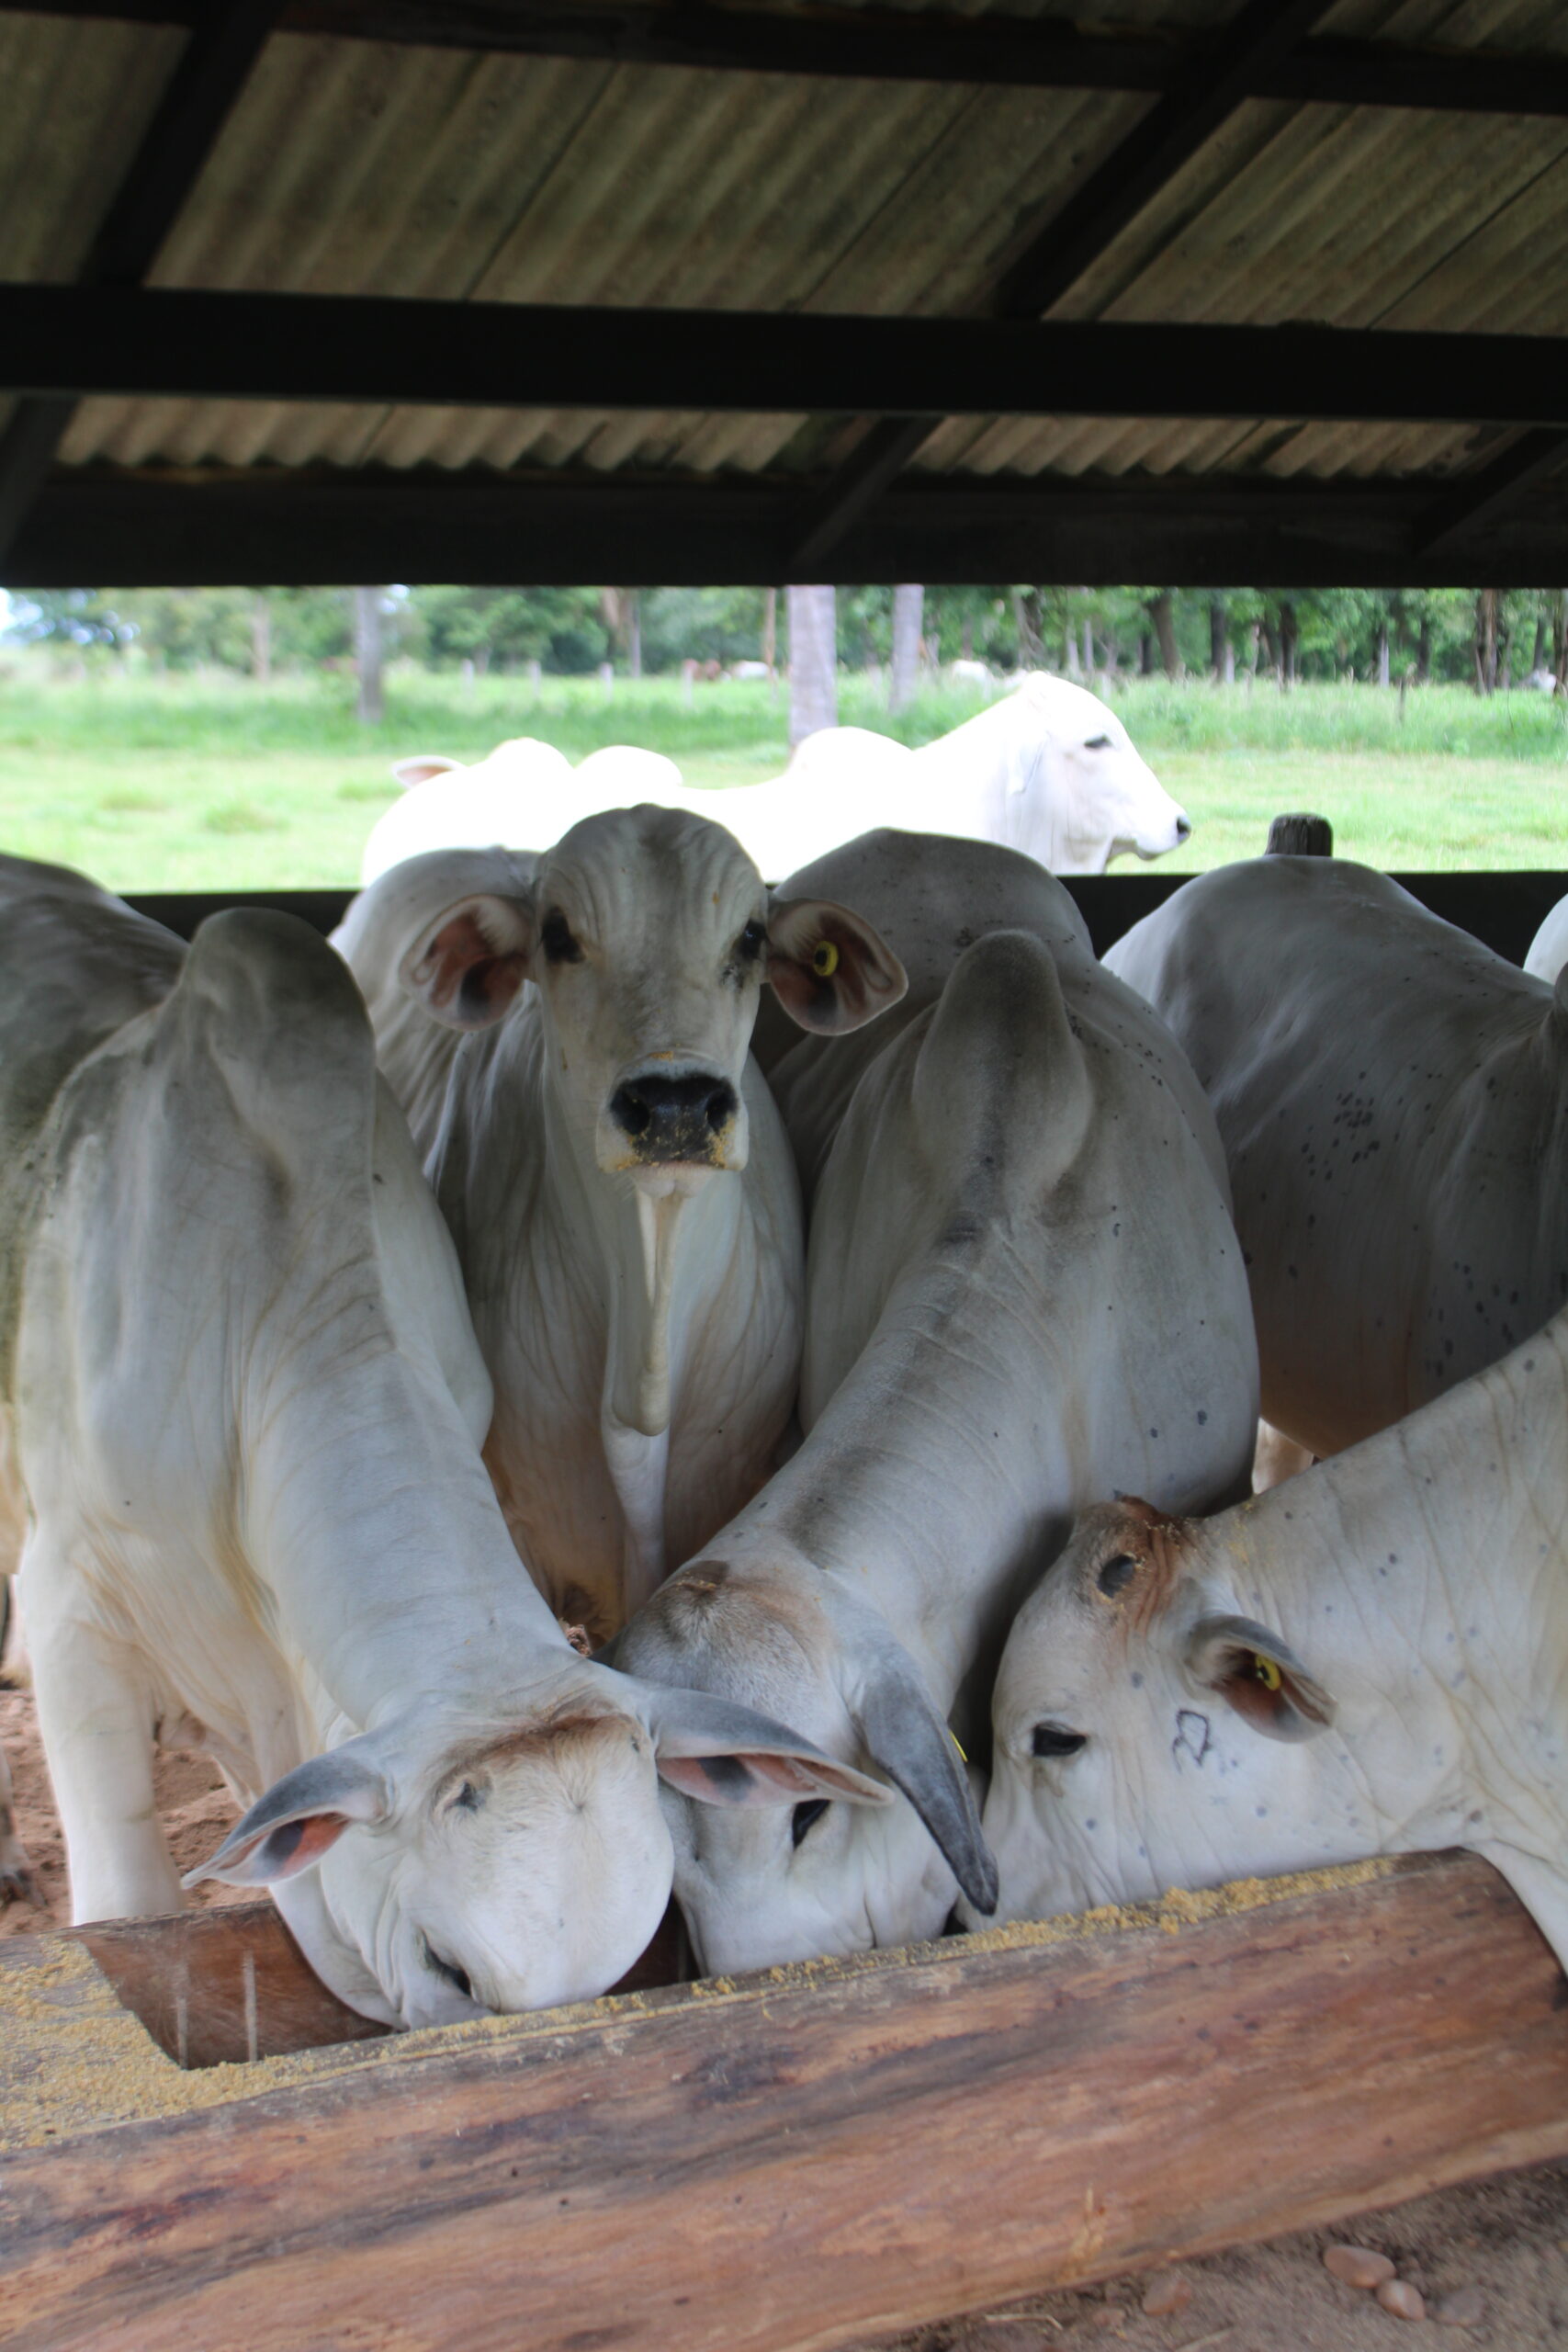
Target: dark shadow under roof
(657,293)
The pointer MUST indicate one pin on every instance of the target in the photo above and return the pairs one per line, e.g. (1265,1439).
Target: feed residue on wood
(72,2060)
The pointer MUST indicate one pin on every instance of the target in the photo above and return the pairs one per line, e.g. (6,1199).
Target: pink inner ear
(460,948)
(746,1779)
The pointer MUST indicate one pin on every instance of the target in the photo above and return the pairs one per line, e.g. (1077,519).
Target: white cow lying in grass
(1023,1289)
(243,1400)
(613,1168)
(1049,770)
(1371,1659)
(1394,1103)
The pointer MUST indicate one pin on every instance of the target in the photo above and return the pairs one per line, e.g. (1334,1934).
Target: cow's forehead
(653,866)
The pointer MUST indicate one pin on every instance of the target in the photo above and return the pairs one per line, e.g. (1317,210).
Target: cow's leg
(95,1714)
(17,1876)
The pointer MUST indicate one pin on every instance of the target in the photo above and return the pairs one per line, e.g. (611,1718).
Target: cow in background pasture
(1049,770)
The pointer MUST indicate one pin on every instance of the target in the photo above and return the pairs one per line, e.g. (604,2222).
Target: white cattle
(613,1168)
(1372,1659)
(1050,770)
(243,1401)
(1023,1289)
(1394,1103)
(1549,949)
(448,806)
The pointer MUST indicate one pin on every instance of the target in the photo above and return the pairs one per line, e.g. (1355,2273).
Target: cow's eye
(1097,743)
(752,941)
(804,1815)
(449,1970)
(556,939)
(1050,1739)
(1116,1575)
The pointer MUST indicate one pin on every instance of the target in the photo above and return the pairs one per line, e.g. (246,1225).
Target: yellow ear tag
(824,958)
(1268,1673)
(959,1745)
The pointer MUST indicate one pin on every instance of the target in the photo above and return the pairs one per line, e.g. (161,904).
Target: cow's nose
(1183,827)
(674,1118)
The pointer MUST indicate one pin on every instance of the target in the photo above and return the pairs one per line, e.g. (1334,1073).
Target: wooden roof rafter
(1058,254)
(213,70)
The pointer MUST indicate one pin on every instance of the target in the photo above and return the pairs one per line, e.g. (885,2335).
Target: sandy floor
(1507,2238)
(194,1807)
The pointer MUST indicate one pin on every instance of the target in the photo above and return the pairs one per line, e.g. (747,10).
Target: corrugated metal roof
(350,167)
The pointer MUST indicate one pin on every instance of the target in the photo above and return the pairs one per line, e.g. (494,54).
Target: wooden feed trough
(798,2158)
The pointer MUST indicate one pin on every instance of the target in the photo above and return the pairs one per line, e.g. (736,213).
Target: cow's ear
(420,769)
(467,966)
(905,1736)
(831,971)
(722,1754)
(299,1820)
(1260,1676)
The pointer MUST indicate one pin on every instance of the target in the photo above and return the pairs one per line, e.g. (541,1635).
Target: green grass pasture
(209,783)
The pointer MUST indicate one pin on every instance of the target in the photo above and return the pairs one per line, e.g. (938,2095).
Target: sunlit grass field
(210,783)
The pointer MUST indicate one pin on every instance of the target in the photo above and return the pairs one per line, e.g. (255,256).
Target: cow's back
(75,964)
(1387,1091)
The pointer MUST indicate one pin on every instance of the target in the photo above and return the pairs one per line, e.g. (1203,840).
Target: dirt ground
(194,1807)
(1507,2238)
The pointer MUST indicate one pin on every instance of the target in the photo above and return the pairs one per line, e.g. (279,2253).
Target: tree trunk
(1288,635)
(261,641)
(1164,619)
(1271,646)
(1026,619)
(1486,641)
(908,605)
(1424,652)
(966,639)
(771,628)
(1538,659)
(1382,652)
(1219,636)
(1088,652)
(1560,644)
(1070,648)
(813,661)
(368,653)
(634,633)
(1145,655)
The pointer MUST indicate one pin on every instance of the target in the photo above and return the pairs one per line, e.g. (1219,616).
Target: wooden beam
(880,44)
(1260,35)
(823,2154)
(1488,496)
(66,342)
(1502,910)
(325,525)
(212,70)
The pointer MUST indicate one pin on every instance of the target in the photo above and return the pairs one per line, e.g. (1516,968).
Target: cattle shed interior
(531,291)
